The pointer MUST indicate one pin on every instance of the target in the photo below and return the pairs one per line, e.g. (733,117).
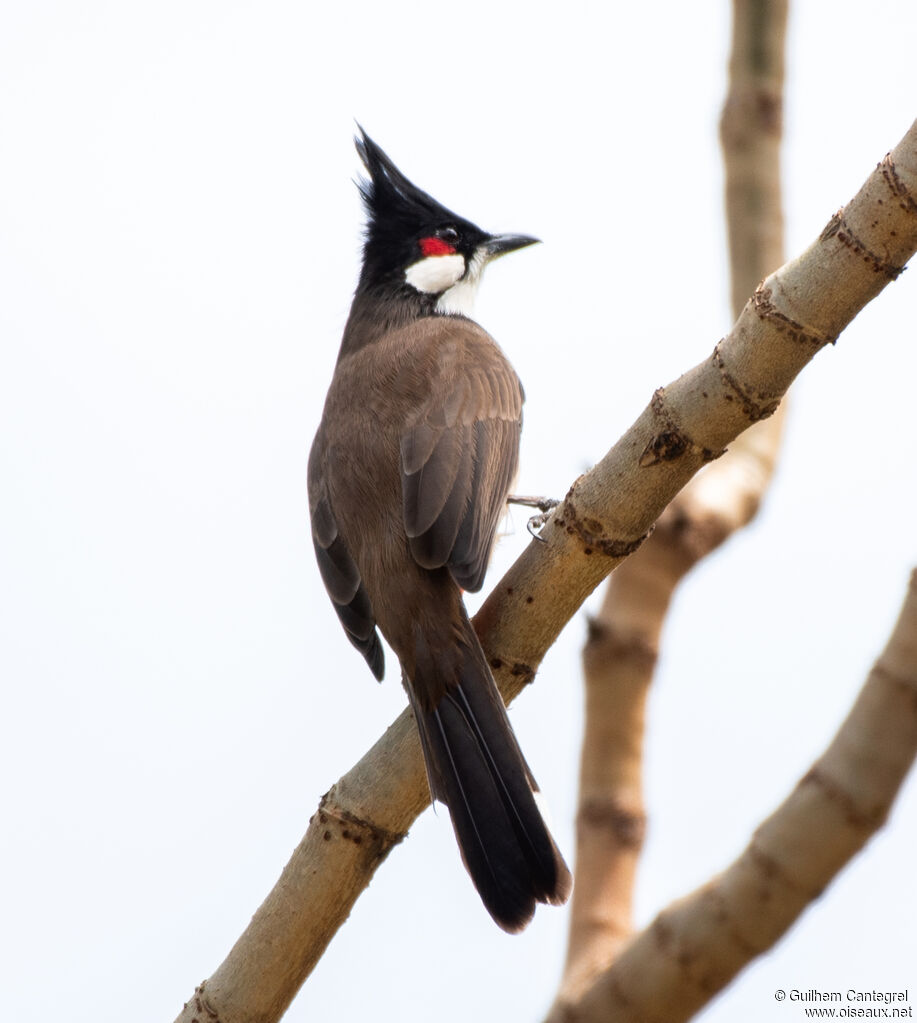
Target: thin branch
(605,516)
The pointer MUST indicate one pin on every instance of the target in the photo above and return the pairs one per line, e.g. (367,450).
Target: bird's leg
(545,505)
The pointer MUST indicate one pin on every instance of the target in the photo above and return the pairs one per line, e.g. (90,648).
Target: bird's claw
(535,523)
(545,506)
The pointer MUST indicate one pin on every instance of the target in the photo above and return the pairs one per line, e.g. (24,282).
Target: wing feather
(459,456)
(433,547)
(342,580)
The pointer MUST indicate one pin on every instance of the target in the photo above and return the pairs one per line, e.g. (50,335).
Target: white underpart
(460,297)
(435,274)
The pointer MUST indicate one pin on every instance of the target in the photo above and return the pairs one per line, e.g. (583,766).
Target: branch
(605,516)
(695,947)
(621,650)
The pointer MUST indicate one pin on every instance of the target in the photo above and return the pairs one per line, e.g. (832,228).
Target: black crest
(398,214)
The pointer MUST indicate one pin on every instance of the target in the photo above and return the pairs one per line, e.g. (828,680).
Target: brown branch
(619,658)
(605,514)
(751,126)
(695,947)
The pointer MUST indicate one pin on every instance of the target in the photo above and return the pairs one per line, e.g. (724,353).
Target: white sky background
(179,241)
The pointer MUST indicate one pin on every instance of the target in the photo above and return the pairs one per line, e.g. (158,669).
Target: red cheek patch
(436,247)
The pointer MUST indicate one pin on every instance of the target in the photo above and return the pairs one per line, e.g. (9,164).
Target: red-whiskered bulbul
(408,479)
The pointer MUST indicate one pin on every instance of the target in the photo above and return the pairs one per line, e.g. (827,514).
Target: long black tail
(476,768)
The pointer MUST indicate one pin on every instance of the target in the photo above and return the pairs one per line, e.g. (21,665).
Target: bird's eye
(448,234)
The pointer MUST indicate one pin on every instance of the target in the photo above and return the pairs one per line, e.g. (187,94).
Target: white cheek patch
(435,274)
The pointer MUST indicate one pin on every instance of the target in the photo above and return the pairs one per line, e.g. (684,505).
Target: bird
(408,479)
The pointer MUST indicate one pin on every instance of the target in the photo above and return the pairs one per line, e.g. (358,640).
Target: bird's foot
(543,504)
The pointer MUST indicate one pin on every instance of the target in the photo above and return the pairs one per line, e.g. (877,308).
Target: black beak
(500,244)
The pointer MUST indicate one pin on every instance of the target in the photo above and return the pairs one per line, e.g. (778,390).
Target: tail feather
(476,768)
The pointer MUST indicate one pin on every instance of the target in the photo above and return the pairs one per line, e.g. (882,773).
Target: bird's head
(414,242)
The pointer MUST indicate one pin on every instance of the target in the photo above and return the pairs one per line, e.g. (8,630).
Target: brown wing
(458,459)
(341,576)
